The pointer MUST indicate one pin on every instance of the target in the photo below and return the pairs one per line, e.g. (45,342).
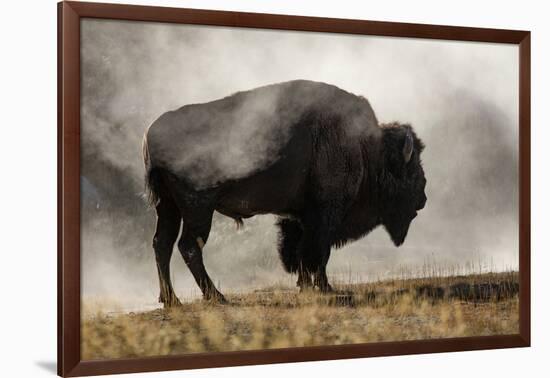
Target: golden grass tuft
(407,309)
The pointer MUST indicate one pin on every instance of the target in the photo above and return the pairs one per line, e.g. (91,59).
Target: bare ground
(473,305)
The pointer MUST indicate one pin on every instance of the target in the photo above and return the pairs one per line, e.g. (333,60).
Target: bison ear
(408,147)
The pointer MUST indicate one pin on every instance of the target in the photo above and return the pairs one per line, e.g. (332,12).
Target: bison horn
(408,147)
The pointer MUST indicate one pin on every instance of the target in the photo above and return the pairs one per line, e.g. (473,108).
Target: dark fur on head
(392,191)
(402,183)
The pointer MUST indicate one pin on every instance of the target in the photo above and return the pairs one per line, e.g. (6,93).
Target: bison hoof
(343,292)
(221,300)
(326,289)
(216,298)
(174,302)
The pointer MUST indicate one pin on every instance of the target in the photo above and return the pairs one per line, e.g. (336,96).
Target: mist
(460,97)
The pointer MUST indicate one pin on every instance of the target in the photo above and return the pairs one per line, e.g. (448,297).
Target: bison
(308,152)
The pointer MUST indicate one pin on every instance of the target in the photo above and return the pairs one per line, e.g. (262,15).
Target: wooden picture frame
(69,279)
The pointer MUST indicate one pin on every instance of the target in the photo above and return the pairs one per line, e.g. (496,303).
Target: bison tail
(152,177)
(289,239)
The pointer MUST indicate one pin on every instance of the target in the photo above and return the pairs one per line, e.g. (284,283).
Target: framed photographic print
(239,188)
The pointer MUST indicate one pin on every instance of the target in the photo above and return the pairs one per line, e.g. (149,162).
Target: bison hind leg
(166,234)
(290,235)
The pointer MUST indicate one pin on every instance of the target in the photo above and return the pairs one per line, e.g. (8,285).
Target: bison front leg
(316,252)
(291,240)
(321,280)
(304,278)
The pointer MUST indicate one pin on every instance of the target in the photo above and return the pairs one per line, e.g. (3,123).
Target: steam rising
(222,141)
(461,99)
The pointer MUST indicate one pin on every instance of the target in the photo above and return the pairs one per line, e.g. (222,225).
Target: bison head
(402,180)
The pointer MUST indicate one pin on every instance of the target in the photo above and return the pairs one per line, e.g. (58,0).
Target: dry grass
(473,305)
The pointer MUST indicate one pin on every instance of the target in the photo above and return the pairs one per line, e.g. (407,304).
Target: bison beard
(289,240)
(324,165)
